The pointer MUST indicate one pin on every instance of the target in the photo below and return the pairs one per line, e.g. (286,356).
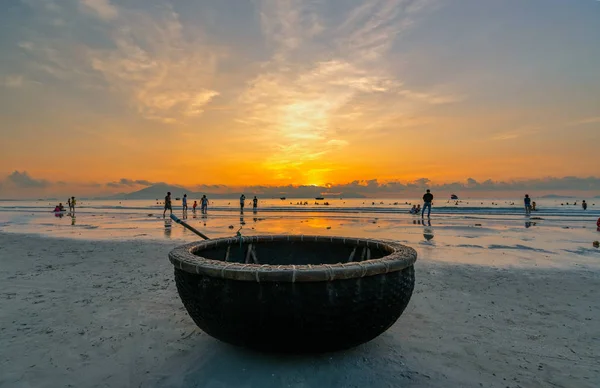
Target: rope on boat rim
(330,271)
(364,270)
(387,266)
(224,268)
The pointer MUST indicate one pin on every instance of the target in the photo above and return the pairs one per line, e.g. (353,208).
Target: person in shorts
(168,205)
(204,204)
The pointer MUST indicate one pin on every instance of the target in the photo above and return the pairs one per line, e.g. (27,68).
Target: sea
(458,230)
(463,208)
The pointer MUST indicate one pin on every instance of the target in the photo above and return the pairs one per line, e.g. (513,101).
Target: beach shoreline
(100,313)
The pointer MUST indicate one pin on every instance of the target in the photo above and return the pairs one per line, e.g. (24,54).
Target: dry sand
(101,314)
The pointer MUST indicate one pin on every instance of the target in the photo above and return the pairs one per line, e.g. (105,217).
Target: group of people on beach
(184,203)
(427,202)
(243,201)
(60,208)
(428,199)
(416,209)
(168,204)
(531,206)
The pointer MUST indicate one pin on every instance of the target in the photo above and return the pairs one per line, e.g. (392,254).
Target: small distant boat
(319,198)
(178,199)
(282,198)
(453,196)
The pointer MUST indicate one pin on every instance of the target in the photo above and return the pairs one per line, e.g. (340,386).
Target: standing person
(184,202)
(242,200)
(255,203)
(204,204)
(73,203)
(168,204)
(584,205)
(194,206)
(427,199)
(527,202)
(70,205)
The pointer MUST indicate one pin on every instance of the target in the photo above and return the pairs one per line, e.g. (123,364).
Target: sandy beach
(497,312)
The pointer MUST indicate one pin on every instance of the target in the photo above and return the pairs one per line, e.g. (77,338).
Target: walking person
(204,204)
(242,200)
(168,204)
(70,206)
(184,202)
(254,203)
(427,199)
(194,206)
(527,202)
(73,204)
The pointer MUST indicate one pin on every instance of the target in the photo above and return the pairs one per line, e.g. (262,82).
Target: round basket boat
(294,293)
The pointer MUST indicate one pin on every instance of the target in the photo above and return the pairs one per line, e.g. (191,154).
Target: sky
(234,93)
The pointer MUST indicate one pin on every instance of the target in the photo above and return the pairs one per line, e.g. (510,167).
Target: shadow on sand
(213,364)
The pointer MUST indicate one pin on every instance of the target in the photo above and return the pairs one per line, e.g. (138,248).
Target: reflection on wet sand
(168,228)
(422,222)
(428,233)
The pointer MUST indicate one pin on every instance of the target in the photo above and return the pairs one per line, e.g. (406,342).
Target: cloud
(514,134)
(19,183)
(23,180)
(589,120)
(12,81)
(431,98)
(161,68)
(543,184)
(375,188)
(125,182)
(101,8)
(164,74)
(370,29)
(324,74)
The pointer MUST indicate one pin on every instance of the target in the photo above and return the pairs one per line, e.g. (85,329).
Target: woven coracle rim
(398,258)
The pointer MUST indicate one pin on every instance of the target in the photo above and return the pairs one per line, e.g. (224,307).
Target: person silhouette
(168,205)
(204,204)
(527,202)
(427,199)
(242,200)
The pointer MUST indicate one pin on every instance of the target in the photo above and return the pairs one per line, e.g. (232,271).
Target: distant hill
(552,196)
(157,191)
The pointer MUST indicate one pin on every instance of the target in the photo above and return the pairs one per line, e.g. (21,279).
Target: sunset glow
(277,92)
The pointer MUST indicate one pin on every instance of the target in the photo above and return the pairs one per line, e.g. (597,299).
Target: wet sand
(106,314)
